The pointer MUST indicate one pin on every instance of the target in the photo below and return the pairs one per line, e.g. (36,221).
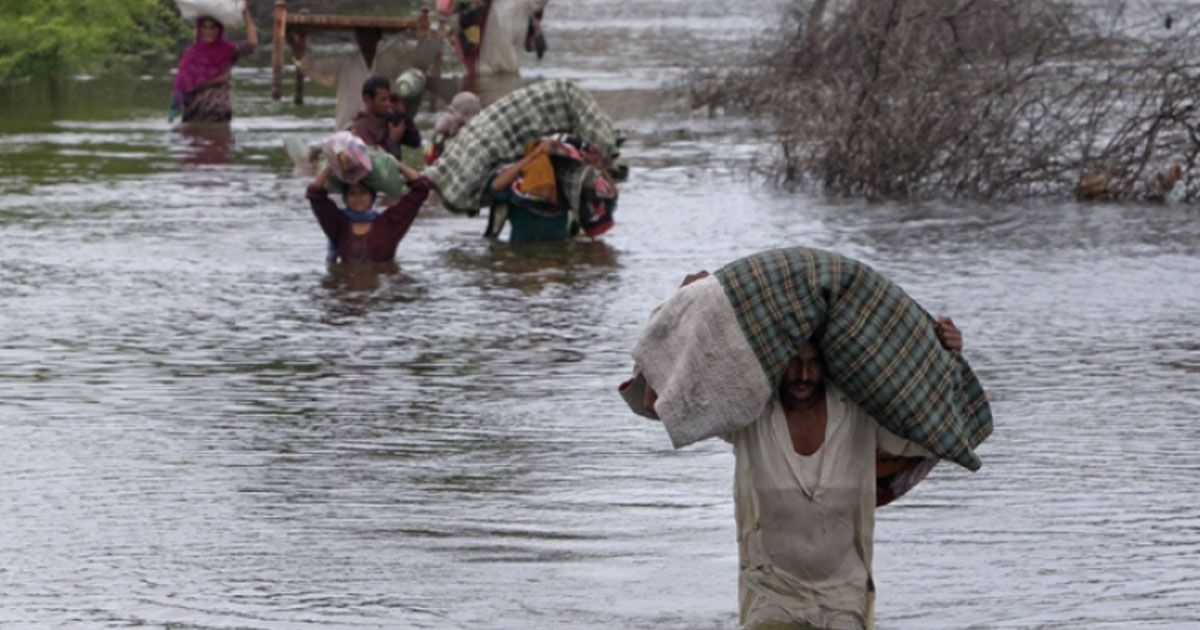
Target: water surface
(206,427)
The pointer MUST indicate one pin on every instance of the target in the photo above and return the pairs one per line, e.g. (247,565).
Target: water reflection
(213,430)
(354,289)
(531,267)
(206,143)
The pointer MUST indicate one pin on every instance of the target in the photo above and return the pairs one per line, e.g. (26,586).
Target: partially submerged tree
(977,98)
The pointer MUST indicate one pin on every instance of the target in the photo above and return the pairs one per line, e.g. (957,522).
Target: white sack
(227,12)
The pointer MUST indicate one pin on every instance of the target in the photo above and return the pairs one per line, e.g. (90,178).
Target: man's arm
(251,30)
(411,174)
(948,334)
(247,47)
(323,208)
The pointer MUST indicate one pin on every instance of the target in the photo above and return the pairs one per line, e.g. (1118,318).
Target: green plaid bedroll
(878,344)
(499,133)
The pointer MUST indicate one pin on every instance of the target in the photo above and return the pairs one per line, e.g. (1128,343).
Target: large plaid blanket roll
(879,346)
(499,133)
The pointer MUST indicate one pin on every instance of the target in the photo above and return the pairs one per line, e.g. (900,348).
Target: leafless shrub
(976,98)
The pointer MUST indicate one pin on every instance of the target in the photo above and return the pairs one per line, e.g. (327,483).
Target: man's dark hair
(373,85)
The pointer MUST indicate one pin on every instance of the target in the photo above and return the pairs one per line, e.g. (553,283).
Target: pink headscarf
(203,61)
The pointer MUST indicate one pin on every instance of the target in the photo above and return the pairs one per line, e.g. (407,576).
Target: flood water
(204,426)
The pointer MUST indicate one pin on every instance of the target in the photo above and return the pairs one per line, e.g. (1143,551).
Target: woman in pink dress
(203,90)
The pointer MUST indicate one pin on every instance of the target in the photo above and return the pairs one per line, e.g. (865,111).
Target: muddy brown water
(203,426)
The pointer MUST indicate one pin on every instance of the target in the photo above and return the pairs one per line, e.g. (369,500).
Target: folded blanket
(878,344)
(499,134)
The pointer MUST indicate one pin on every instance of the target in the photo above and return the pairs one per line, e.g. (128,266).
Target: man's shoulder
(365,123)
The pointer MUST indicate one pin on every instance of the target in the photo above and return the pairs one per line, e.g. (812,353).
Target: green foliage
(58,38)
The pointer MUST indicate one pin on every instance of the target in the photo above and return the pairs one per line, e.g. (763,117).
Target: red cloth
(379,244)
(204,62)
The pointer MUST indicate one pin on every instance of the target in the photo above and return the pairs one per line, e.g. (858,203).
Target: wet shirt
(380,242)
(806,523)
(374,132)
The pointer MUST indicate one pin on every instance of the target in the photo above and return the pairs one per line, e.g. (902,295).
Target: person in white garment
(508,25)
(804,486)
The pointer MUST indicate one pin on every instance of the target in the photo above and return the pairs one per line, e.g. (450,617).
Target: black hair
(373,85)
(346,190)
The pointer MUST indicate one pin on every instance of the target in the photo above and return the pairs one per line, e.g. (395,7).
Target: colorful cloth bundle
(227,12)
(563,181)
(537,184)
(353,162)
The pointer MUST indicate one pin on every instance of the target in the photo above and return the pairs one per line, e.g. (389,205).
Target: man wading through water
(713,361)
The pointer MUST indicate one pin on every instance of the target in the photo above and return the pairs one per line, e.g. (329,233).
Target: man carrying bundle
(379,117)
(838,393)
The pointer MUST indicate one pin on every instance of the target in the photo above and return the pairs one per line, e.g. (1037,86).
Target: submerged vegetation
(982,100)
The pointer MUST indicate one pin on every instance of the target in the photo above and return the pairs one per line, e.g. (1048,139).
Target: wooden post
(278,35)
(299,97)
(299,49)
(423,23)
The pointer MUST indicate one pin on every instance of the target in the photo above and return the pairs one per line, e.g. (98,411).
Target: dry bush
(976,99)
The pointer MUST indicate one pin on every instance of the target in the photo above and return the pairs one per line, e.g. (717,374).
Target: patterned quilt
(499,133)
(878,344)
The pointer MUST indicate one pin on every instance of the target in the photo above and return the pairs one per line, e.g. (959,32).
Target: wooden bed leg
(299,48)
(278,35)
(299,97)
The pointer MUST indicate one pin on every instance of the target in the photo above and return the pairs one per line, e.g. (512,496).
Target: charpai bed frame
(299,26)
